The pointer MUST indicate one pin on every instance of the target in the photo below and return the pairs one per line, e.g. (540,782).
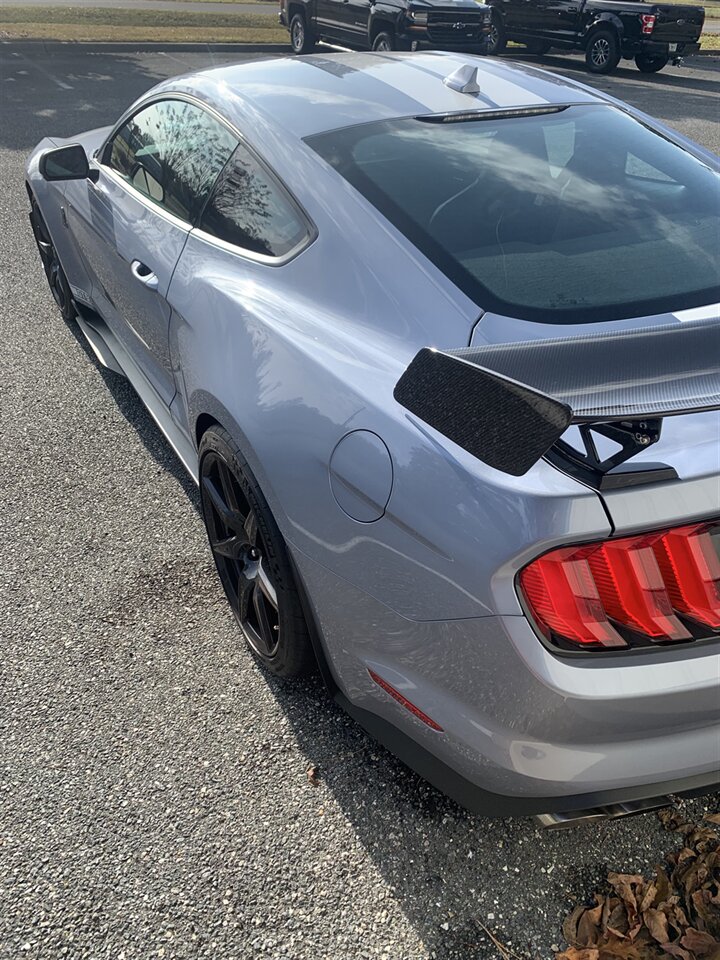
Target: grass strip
(174,26)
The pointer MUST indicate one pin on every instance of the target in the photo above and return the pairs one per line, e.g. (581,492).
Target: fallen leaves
(674,916)
(313,775)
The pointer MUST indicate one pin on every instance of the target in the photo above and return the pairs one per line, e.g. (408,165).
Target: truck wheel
(538,48)
(497,40)
(302,39)
(648,64)
(602,53)
(385,40)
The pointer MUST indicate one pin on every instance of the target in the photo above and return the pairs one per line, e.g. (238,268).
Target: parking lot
(154,800)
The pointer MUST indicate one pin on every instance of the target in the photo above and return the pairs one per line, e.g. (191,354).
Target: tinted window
(248,210)
(172,152)
(570,215)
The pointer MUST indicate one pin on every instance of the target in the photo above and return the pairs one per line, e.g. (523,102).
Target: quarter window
(171,152)
(249,210)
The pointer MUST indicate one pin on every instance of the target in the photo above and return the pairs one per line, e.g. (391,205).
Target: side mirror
(65,163)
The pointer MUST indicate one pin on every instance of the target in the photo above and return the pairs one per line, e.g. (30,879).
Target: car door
(131,224)
(529,16)
(557,19)
(329,19)
(354,17)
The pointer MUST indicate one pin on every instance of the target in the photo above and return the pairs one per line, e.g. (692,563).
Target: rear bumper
(523,730)
(484,802)
(655,48)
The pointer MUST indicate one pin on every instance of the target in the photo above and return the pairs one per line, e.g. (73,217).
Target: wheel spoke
(231,547)
(228,486)
(231,519)
(267,634)
(266,585)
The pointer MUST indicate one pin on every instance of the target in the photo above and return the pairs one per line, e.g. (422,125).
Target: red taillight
(691,569)
(648,22)
(564,598)
(632,588)
(403,701)
(588,594)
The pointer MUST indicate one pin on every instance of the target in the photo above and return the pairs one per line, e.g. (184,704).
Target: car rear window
(574,214)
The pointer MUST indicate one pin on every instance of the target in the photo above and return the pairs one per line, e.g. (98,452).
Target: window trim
(100,159)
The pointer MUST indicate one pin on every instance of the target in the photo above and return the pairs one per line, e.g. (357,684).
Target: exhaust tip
(611,811)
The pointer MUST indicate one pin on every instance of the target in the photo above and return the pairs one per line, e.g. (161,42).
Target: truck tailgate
(676,23)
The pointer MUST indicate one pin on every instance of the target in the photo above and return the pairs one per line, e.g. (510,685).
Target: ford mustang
(438,339)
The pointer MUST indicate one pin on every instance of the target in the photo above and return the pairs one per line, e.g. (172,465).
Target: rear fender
(604,19)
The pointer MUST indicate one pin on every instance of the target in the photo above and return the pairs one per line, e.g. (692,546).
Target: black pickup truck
(651,33)
(387,24)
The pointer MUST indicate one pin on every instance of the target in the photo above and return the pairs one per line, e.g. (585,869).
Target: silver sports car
(438,338)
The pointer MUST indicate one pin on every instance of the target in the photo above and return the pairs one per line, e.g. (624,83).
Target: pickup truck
(387,24)
(651,33)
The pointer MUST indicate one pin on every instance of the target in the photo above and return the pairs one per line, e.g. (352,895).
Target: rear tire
(251,558)
(602,53)
(302,38)
(648,64)
(57,281)
(538,48)
(384,42)
(496,41)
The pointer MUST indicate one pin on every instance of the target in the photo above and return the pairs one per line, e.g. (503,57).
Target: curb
(140,46)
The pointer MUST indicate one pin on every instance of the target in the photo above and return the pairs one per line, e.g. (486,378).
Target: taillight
(690,565)
(655,588)
(648,22)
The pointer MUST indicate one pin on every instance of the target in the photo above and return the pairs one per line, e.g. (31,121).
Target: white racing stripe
(710,312)
(424,84)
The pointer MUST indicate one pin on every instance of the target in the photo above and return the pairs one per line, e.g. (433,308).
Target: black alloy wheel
(496,41)
(59,286)
(251,558)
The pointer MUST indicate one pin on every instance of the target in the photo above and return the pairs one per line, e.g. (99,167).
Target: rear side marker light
(404,702)
(648,22)
(651,585)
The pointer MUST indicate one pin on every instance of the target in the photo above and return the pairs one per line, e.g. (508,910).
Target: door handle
(144,274)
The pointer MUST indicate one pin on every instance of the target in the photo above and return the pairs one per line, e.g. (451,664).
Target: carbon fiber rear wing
(509,404)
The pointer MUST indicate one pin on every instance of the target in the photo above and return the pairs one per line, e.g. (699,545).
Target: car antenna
(464,79)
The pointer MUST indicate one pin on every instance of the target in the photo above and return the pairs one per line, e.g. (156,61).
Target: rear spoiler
(509,404)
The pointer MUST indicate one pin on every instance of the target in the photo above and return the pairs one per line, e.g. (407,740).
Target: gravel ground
(153,791)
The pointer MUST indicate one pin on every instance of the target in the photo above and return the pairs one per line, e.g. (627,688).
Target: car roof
(313,94)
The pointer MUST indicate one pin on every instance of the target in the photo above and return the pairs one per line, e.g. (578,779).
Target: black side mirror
(65,163)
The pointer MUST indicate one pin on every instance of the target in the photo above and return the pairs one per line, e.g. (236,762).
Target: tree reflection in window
(176,148)
(248,210)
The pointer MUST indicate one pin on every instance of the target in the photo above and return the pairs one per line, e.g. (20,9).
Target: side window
(249,210)
(172,152)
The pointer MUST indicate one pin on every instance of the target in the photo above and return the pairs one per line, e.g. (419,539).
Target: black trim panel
(487,804)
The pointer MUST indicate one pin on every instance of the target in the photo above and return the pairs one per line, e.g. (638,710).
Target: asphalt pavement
(153,792)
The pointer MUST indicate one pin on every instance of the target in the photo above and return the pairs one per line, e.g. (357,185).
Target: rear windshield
(575,215)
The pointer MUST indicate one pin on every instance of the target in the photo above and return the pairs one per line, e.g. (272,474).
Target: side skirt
(111,354)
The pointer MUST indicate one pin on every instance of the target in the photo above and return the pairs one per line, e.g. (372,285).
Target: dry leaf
(313,775)
(674,916)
